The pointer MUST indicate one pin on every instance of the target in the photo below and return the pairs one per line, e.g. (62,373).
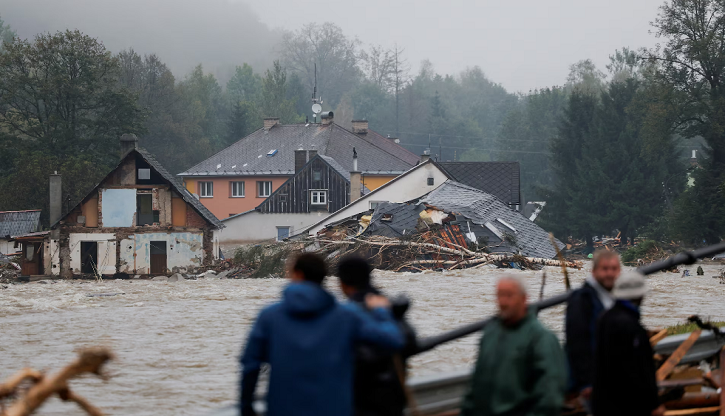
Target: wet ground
(178,343)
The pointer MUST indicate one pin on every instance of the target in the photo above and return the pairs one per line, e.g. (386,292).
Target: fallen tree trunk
(89,361)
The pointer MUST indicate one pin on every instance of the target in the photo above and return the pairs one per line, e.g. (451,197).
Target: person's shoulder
(270,310)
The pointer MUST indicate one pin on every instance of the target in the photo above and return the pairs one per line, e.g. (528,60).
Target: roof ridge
(371,142)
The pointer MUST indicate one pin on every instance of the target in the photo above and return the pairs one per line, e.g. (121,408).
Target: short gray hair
(515,279)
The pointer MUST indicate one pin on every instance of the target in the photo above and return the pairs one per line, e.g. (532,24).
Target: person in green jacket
(521,368)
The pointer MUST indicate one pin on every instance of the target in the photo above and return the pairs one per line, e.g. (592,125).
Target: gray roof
(248,156)
(176,185)
(16,223)
(488,211)
(502,179)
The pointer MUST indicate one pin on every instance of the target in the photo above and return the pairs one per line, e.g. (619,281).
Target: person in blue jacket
(309,339)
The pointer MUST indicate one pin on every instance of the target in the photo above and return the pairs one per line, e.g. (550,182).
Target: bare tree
(337,58)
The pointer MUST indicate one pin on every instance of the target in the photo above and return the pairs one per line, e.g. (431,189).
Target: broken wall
(183,249)
(106,251)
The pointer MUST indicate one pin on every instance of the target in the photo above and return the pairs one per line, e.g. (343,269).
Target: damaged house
(427,218)
(138,220)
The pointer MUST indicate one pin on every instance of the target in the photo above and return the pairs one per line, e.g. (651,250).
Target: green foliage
(265,261)
(693,66)
(274,101)
(603,182)
(640,251)
(61,109)
(688,327)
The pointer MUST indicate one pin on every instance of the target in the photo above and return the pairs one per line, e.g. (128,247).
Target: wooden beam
(658,337)
(698,411)
(8,387)
(676,356)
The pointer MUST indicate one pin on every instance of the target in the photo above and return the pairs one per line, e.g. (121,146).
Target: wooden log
(658,337)
(89,361)
(68,396)
(694,400)
(698,411)
(676,356)
(8,387)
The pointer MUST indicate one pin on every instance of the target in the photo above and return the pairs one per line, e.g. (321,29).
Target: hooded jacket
(624,378)
(520,371)
(309,340)
(378,386)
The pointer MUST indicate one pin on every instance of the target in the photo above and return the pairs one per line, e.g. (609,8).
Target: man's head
(307,267)
(630,286)
(606,268)
(354,274)
(511,295)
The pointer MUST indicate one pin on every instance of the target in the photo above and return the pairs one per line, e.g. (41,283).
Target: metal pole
(686,257)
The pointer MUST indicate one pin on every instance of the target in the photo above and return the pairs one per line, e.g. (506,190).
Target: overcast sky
(522,44)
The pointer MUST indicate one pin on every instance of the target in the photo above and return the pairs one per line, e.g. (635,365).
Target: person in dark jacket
(624,374)
(584,308)
(379,373)
(521,370)
(309,339)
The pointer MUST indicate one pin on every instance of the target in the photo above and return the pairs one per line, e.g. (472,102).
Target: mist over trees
(608,150)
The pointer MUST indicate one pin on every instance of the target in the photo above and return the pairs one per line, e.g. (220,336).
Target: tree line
(608,150)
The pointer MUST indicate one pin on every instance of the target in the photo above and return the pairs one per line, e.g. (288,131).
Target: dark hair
(312,267)
(354,271)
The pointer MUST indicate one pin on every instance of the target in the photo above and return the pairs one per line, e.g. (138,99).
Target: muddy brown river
(178,343)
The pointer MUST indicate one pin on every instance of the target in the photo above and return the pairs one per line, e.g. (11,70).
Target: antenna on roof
(316,102)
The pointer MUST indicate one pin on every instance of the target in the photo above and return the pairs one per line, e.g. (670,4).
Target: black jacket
(378,388)
(624,376)
(582,313)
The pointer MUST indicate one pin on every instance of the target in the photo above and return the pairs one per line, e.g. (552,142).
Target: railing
(444,392)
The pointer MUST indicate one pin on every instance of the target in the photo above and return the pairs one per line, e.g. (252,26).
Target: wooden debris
(658,337)
(696,411)
(89,361)
(676,356)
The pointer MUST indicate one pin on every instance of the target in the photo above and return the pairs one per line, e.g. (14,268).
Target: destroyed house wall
(133,209)
(296,195)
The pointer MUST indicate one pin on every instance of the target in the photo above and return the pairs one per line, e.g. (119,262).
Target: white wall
(182,250)
(411,185)
(106,251)
(7,247)
(255,226)
(52,257)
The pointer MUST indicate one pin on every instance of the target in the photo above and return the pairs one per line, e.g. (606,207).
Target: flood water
(177,344)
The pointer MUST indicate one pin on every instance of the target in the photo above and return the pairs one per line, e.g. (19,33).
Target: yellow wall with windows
(373,182)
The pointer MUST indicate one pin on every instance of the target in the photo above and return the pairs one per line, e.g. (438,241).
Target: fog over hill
(522,45)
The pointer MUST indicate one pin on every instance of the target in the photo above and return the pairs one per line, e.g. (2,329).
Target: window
(282,233)
(431,182)
(145,213)
(144,173)
(264,189)
(316,175)
(237,189)
(206,189)
(318,197)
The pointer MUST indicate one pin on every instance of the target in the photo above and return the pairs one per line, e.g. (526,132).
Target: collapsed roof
(482,218)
